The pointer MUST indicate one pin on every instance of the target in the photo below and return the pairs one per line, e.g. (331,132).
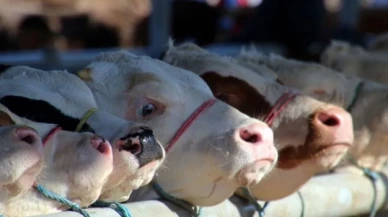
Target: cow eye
(147,109)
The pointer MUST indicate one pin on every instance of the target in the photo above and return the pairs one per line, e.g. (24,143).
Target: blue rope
(260,210)
(197,212)
(51,195)
(120,209)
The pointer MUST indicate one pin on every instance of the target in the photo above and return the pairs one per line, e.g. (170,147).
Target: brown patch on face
(5,119)
(314,146)
(237,93)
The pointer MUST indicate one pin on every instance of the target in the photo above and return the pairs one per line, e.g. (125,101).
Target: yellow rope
(85,118)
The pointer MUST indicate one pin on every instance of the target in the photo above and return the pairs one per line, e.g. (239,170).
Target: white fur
(354,60)
(68,93)
(72,169)
(290,127)
(369,112)
(208,163)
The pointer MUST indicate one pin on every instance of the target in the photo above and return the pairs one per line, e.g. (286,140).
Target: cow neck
(84,118)
(279,106)
(357,92)
(197,211)
(190,120)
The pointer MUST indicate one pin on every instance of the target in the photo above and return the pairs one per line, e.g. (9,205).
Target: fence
(323,196)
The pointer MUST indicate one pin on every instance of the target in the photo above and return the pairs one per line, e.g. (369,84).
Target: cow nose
(256,134)
(142,143)
(27,136)
(259,139)
(336,123)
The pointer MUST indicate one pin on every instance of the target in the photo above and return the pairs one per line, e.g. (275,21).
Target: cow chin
(25,181)
(253,173)
(329,157)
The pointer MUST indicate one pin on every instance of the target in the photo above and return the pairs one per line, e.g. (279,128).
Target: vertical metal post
(349,13)
(159,25)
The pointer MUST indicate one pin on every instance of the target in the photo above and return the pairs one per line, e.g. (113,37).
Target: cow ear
(85,74)
(5,119)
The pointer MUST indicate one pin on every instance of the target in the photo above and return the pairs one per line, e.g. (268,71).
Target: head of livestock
(212,148)
(310,136)
(61,98)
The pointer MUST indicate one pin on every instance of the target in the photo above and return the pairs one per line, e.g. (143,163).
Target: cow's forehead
(129,65)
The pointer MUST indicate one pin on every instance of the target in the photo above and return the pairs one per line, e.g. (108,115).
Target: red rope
(189,121)
(50,134)
(279,106)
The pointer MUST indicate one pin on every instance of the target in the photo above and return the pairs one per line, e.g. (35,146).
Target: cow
(212,148)
(75,165)
(311,136)
(61,98)
(21,159)
(354,60)
(360,97)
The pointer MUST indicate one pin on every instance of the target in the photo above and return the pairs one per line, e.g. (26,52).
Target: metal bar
(349,13)
(159,25)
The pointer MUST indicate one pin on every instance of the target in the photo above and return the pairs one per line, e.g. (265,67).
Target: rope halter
(276,110)
(182,129)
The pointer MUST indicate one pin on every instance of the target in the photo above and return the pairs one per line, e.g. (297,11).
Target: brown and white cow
(310,136)
(61,98)
(354,60)
(76,165)
(212,148)
(361,97)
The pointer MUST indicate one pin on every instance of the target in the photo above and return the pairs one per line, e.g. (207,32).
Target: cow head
(218,151)
(310,136)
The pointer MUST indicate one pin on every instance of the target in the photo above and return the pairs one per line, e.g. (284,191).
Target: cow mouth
(292,156)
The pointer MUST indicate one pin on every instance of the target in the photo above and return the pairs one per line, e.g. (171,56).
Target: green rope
(373,177)
(84,119)
(260,210)
(356,95)
(197,212)
(51,195)
(302,203)
(120,209)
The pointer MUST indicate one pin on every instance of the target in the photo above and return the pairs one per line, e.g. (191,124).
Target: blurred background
(67,34)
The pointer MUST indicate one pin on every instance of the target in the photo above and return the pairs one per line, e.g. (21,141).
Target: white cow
(76,166)
(361,97)
(21,158)
(212,148)
(62,98)
(354,60)
(311,136)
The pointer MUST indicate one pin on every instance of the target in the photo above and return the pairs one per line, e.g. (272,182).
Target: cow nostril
(134,148)
(248,137)
(328,120)
(28,139)
(26,136)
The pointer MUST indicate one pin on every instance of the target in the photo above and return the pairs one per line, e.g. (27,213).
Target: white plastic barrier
(332,195)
